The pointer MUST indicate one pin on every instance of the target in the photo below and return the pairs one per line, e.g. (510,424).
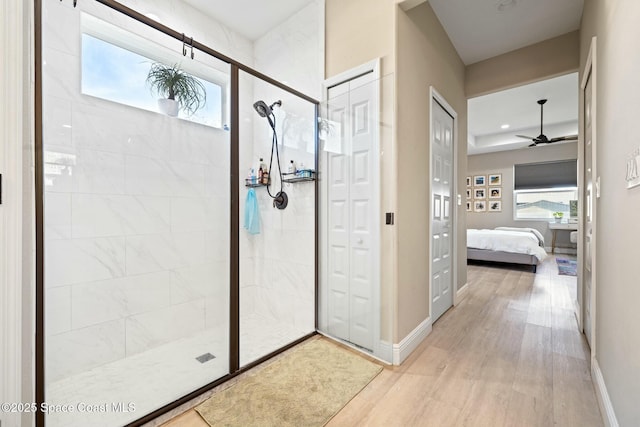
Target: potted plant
(181,90)
(558,216)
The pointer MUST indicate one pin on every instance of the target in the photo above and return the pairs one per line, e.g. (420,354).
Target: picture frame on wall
(495,206)
(495,192)
(468,181)
(468,206)
(495,179)
(479,193)
(479,180)
(469,194)
(479,206)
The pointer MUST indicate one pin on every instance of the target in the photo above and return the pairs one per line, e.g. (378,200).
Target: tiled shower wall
(280,283)
(136,216)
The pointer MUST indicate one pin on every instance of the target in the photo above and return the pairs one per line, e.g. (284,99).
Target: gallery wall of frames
(484,193)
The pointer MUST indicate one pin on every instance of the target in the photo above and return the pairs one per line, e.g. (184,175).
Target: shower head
(262,108)
(265,110)
(278,103)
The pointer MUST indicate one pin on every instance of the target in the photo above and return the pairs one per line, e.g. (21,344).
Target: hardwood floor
(509,354)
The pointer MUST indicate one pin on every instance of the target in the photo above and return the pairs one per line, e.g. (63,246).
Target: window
(541,204)
(118,74)
(540,189)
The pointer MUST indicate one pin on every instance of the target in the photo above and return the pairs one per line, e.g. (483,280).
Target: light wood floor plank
(574,398)
(534,376)
(529,411)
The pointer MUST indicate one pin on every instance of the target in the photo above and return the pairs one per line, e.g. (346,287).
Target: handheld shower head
(262,108)
(280,199)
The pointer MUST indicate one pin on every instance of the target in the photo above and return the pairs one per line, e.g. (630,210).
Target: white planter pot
(168,107)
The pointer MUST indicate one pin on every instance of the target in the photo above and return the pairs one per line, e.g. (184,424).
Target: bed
(506,245)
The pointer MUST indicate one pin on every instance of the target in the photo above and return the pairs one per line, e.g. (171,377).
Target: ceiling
(249,18)
(481,29)
(478,30)
(518,108)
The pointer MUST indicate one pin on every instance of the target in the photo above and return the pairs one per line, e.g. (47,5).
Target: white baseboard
(608,415)
(461,293)
(404,348)
(385,351)
(576,313)
(384,347)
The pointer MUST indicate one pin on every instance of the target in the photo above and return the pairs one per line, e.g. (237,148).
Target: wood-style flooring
(509,354)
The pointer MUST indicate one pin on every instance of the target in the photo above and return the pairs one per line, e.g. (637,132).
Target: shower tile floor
(162,375)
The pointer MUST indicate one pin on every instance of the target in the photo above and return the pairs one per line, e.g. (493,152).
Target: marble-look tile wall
(280,282)
(136,208)
(293,52)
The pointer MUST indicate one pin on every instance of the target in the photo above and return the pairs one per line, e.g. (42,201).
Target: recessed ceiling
(518,108)
(250,18)
(480,30)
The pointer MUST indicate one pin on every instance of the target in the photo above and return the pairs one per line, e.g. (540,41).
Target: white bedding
(505,241)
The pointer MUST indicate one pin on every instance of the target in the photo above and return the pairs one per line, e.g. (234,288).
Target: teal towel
(251,213)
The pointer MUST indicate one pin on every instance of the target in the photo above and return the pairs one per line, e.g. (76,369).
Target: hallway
(508,355)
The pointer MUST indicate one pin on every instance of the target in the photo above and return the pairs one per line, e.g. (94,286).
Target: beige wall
(618,286)
(502,162)
(425,57)
(416,53)
(550,58)
(358,31)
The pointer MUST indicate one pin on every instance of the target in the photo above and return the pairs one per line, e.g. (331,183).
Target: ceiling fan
(542,138)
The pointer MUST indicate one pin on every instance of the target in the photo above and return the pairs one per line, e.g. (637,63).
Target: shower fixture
(265,110)
(280,199)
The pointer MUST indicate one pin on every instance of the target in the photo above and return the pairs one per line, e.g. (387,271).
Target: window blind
(557,174)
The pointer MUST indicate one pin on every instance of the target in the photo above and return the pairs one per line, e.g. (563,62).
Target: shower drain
(205,357)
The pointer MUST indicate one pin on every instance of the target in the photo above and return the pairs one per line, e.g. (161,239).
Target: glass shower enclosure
(152,289)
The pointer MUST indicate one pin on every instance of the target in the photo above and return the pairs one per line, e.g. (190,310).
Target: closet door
(362,211)
(350,213)
(441,210)
(338,170)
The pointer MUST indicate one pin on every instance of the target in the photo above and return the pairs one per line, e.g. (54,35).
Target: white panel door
(441,210)
(338,180)
(362,168)
(350,214)
(587,273)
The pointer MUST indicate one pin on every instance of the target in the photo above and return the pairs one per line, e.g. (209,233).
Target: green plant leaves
(174,83)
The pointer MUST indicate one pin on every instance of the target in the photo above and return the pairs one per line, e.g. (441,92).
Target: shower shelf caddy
(253,183)
(299,176)
(289,178)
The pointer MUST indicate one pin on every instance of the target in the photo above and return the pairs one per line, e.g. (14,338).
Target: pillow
(526,230)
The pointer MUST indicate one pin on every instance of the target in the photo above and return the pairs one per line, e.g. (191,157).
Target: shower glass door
(277,246)
(136,214)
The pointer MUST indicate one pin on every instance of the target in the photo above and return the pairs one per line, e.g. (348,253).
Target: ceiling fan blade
(535,144)
(564,138)
(526,137)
